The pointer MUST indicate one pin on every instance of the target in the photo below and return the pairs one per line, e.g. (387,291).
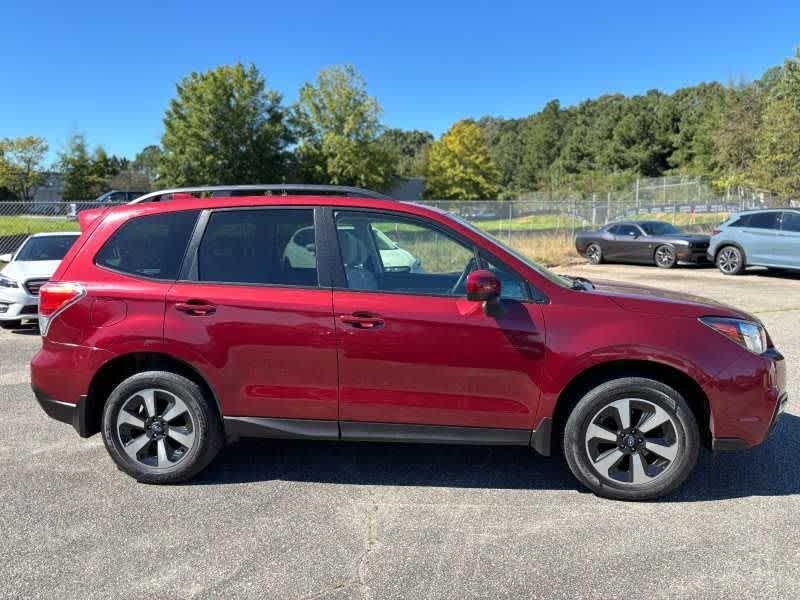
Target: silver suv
(764,238)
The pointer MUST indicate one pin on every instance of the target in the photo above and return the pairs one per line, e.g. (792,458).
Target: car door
(262,328)
(761,237)
(413,349)
(629,242)
(788,248)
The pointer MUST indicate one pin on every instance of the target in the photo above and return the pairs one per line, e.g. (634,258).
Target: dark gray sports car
(649,242)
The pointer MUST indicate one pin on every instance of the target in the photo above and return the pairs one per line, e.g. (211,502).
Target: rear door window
(765,220)
(791,221)
(150,246)
(259,246)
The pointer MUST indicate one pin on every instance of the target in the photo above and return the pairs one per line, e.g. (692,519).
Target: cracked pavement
(290,519)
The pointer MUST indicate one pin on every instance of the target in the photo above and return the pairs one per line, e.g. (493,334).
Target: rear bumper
(692,255)
(72,414)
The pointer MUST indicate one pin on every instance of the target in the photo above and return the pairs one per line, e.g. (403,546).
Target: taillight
(54,298)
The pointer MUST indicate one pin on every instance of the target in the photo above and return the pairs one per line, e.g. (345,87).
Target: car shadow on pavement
(768,470)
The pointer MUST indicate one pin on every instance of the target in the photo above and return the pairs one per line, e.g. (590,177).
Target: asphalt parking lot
(285,519)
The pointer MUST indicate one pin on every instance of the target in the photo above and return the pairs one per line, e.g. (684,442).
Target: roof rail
(271,189)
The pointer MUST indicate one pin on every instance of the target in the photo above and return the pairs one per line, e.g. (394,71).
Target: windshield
(52,247)
(544,272)
(658,228)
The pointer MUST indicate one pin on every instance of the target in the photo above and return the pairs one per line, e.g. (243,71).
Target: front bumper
(692,255)
(17,304)
(749,398)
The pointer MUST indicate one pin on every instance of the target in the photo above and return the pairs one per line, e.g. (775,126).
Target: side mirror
(483,286)
(6,258)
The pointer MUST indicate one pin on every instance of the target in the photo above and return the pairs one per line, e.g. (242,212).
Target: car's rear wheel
(665,257)
(631,439)
(730,260)
(159,427)
(595,254)
(15,324)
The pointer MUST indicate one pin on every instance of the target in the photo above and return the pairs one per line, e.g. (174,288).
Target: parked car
(174,326)
(109,197)
(757,238)
(27,270)
(300,252)
(646,242)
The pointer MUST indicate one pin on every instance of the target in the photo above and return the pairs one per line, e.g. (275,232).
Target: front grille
(34,285)
(30,309)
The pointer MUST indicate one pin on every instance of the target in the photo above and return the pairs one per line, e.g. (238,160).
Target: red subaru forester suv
(175,325)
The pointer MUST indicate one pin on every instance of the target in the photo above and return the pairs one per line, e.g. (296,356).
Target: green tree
(542,138)
(459,166)
(83,178)
(777,161)
(337,125)
(148,163)
(407,149)
(224,127)
(735,137)
(21,164)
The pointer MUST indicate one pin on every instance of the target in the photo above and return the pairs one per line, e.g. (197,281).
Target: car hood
(655,301)
(22,270)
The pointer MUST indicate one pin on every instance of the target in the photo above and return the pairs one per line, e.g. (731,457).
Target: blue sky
(108,69)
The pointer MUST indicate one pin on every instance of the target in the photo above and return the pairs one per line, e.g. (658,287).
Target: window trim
(339,283)
(190,271)
(198,216)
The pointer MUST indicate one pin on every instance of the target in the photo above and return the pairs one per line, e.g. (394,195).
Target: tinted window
(258,246)
(742,221)
(765,220)
(658,228)
(46,248)
(791,221)
(151,246)
(614,229)
(628,230)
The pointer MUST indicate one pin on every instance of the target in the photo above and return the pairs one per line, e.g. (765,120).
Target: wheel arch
(726,243)
(119,368)
(597,374)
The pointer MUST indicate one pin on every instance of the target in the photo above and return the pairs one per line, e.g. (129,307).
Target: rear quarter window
(151,246)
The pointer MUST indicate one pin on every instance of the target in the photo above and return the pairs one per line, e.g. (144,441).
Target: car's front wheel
(631,439)
(160,427)
(665,257)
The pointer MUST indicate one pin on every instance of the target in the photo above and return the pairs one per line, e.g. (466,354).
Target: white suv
(27,270)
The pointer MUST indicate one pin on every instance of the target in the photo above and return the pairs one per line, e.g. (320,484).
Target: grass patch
(18,225)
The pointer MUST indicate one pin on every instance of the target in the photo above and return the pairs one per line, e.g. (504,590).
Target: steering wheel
(469,268)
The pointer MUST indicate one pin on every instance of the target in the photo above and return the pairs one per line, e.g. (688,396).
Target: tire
(16,324)
(664,257)
(605,460)
(730,260)
(594,253)
(175,428)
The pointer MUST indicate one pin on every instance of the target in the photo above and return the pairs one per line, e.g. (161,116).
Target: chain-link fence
(535,226)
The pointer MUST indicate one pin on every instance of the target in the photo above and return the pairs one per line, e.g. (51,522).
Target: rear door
(788,249)
(261,327)
(761,237)
(413,349)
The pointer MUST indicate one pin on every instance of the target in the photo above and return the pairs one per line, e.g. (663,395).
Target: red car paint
(328,354)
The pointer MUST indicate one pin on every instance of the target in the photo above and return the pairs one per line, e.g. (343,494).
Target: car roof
(54,233)
(750,211)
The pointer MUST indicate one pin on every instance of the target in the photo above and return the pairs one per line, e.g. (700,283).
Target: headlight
(747,334)
(8,283)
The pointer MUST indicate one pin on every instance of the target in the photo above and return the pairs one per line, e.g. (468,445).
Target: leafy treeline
(226,126)
(742,135)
